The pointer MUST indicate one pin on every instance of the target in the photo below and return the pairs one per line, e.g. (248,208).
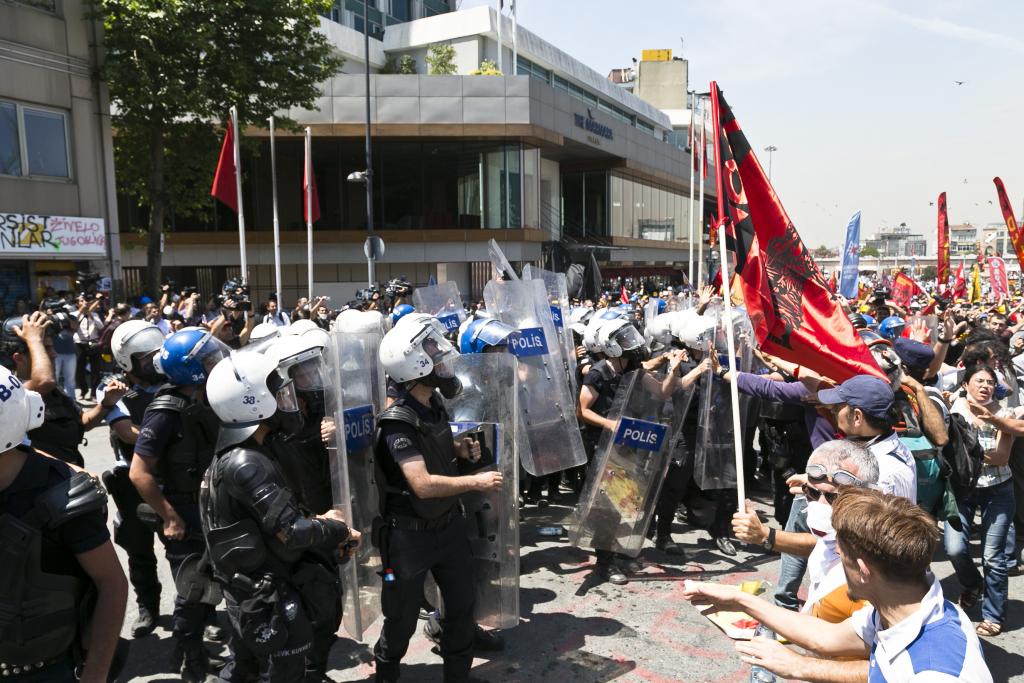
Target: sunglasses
(817,474)
(814,494)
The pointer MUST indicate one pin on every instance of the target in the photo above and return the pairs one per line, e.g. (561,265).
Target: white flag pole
(741,488)
(499,64)
(693,150)
(700,208)
(238,193)
(277,222)
(515,40)
(309,215)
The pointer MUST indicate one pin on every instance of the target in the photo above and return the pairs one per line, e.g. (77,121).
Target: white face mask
(819,520)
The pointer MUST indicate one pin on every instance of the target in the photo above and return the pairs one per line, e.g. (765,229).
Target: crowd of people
(223,420)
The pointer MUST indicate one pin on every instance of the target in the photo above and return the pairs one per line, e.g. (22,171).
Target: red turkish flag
(904,288)
(224,179)
(623,295)
(794,314)
(960,283)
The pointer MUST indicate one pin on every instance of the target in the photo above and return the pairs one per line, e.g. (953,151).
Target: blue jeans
(997,508)
(792,567)
(64,369)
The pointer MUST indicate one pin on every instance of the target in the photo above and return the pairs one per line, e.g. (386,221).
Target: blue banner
(648,436)
(851,258)
(359,428)
(529,341)
(556,315)
(450,321)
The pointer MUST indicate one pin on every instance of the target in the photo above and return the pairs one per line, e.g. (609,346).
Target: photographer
(87,341)
(67,355)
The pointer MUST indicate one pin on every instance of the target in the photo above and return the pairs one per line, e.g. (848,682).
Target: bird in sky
(931,203)
(959,82)
(965,181)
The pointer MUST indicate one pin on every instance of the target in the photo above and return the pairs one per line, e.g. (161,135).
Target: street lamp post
(368,179)
(771,149)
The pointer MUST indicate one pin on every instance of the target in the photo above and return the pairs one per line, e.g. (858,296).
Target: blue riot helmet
(399,311)
(188,356)
(869,321)
(478,335)
(661,304)
(892,327)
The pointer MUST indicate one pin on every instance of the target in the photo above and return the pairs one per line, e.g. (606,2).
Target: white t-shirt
(897,471)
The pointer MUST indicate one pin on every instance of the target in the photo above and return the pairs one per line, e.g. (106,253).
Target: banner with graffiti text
(34,235)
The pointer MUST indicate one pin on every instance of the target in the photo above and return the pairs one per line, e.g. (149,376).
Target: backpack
(962,457)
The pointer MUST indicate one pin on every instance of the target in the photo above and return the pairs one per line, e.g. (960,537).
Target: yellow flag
(975,284)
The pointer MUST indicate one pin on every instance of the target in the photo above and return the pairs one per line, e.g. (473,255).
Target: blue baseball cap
(914,354)
(872,395)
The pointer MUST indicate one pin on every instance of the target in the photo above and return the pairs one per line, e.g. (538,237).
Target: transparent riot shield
(558,300)
(714,454)
(546,406)
(629,467)
(485,411)
(442,301)
(355,396)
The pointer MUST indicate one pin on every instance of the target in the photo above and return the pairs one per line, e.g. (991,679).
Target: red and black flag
(943,244)
(794,314)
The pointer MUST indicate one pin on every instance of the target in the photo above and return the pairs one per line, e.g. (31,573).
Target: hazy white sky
(858,97)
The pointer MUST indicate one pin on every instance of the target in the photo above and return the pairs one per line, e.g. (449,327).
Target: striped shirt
(935,643)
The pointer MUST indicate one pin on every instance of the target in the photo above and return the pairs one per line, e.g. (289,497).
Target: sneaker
(145,622)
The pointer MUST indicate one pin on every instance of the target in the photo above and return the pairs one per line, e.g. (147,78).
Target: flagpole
(700,208)
(737,433)
(238,193)
(499,64)
(309,215)
(693,145)
(277,222)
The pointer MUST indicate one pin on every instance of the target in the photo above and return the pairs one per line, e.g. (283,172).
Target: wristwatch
(769,542)
(721,372)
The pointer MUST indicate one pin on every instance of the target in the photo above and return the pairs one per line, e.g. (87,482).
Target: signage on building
(589,124)
(28,235)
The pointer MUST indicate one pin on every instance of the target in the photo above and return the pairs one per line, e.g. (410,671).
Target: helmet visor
(287,399)
(306,370)
(628,338)
(437,348)
(494,332)
(209,351)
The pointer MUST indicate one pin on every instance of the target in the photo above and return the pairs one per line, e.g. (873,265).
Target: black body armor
(438,449)
(183,464)
(136,401)
(62,430)
(42,614)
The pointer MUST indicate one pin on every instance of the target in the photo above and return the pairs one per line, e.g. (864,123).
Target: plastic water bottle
(759,674)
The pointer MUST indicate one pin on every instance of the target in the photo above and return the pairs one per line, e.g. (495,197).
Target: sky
(858,97)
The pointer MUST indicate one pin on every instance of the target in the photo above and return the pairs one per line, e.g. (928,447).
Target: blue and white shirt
(935,643)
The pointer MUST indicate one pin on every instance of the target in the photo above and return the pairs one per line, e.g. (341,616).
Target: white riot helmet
(692,329)
(354,321)
(300,327)
(300,359)
(618,337)
(264,331)
(21,410)
(416,349)
(659,330)
(131,341)
(244,390)
(578,318)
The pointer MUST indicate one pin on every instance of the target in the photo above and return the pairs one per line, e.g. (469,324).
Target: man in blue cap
(863,410)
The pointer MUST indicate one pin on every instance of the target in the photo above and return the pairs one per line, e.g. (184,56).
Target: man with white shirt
(862,406)
(909,632)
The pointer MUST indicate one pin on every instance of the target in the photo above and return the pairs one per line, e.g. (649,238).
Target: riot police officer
(134,345)
(422,528)
(174,447)
(276,562)
(59,574)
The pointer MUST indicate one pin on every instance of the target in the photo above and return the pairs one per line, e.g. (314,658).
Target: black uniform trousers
(136,538)
(189,618)
(445,553)
(288,664)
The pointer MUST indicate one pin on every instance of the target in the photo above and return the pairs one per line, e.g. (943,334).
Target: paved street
(575,630)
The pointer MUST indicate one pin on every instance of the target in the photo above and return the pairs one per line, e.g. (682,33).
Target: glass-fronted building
(551,159)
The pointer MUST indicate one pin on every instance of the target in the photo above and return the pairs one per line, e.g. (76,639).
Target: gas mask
(444,381)
(143,368)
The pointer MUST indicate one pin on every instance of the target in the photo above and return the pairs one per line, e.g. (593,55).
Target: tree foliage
(869,251)
(441,59)
(487,68)
(175,67)
(929,272)
(407,65)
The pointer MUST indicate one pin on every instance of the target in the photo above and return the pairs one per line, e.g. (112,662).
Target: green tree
(441,59)
(869,251)
(487,68)
(407,65)
(929,272)
(822,252)
(175,67)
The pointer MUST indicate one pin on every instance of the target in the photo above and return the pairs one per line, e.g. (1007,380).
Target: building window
(44,5)
(33,141)
(401,9)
